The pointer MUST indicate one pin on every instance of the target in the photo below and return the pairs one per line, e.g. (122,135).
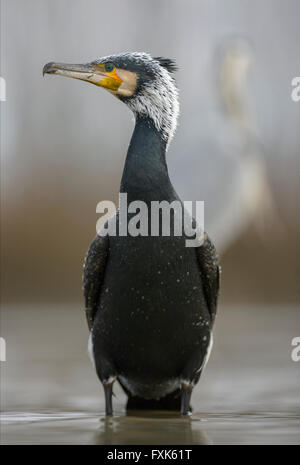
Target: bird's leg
(108,391)
(186,392)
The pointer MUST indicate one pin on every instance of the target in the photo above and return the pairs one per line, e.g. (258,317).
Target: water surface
(249,393)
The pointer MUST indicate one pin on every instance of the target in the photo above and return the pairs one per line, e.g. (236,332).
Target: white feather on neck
(158,99)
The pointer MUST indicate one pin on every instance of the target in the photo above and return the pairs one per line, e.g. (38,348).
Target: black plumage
(150,301)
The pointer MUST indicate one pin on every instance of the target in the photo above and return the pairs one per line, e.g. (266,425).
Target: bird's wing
(210,273)
(93,274)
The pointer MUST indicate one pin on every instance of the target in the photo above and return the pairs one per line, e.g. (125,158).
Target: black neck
(145,175)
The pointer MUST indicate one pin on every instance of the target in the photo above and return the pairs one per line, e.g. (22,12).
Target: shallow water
(151,428)
(249,393)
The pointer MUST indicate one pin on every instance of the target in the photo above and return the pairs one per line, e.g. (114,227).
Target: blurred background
(63,146)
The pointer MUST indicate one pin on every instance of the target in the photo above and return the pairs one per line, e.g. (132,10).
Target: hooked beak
(91,72)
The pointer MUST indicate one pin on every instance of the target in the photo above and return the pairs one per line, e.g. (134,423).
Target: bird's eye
(109,67)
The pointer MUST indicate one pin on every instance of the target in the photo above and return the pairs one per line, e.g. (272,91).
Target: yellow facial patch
(112,81)
(118,81)
(107,79)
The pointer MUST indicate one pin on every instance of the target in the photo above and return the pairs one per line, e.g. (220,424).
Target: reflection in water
(154,427)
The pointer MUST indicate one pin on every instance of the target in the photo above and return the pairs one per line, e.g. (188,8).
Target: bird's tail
(170,402)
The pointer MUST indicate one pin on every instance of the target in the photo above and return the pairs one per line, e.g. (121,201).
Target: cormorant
(151,301)
(241,195)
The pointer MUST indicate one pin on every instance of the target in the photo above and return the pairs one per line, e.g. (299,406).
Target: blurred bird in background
(228,142)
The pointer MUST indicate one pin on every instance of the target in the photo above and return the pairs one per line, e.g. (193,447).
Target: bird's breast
(152,314)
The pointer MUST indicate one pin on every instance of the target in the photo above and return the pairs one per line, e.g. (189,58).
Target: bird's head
(144,83)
